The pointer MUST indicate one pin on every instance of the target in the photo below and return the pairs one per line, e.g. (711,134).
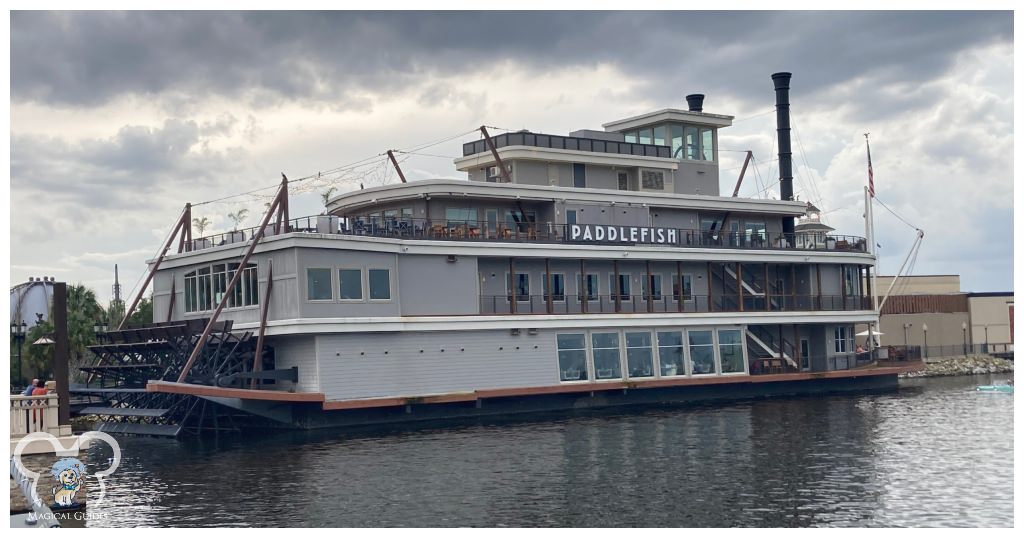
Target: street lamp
(924,327)
(964,327)
(986,338)
(906,329)
(18,332)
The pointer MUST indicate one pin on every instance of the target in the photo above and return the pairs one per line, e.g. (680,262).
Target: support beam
(650,288)
(182,226)
(617,287)
(711,303)
(170,305)
(276,206)
(768,289)
(584,291)
(550,290)
(398,169)
(494,152)
(257,360)
(679,282)
(817,275)
(743,171)
(739,284)
(513,297)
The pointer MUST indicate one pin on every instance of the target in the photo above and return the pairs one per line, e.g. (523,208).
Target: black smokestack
(696,102)
(781,81)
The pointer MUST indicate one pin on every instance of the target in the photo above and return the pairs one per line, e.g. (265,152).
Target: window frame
(330,276)
(391,287)
(544,286)
(508,286)
(205,275)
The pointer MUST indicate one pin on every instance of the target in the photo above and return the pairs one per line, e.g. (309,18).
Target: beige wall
(923,284)
(944,329)
(991,312)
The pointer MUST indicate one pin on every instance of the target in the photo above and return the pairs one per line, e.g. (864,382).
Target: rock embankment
(970,365)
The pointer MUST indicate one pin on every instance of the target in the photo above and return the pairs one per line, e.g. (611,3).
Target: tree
(84,313)
(326,195)
(143,313)
(201,225)
(237,217)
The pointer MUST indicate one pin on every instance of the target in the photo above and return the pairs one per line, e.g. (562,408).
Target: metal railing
(639,303)
(524,232)
(961,350)
(540,140)
(30,414)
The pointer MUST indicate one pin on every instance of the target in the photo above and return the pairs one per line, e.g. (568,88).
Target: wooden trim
(551,292)
(739,284)
(617,288)
(333,405)
(168,387)
(582,285)
(650,288)
(711,296)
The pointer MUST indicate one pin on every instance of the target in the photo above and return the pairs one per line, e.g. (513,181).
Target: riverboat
(594,269)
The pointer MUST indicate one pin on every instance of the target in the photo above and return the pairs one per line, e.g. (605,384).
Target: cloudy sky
(118,119)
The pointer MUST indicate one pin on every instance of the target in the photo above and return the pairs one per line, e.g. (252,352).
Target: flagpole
(869,214)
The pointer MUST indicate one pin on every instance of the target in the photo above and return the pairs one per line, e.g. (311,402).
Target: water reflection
(932,454)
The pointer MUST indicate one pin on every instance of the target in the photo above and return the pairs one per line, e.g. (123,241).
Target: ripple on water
(932,454)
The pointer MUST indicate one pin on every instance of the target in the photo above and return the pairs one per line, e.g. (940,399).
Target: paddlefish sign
(599,233)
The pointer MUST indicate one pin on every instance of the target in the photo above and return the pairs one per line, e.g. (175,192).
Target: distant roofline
(665,114)
(990,294)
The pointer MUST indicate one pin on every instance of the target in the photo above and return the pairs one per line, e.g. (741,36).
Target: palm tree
(201,225)
(84,313)
(237,217)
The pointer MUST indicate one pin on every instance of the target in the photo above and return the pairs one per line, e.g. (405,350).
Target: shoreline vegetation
(970,365)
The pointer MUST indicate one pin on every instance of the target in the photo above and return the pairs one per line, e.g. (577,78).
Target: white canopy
(865,333)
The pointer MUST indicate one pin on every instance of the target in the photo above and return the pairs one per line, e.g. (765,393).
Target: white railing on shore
(30,414)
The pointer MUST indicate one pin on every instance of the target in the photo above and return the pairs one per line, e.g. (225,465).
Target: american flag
(871,173)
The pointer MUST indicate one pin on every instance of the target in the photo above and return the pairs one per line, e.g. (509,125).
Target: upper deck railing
(533,232)
(595,145)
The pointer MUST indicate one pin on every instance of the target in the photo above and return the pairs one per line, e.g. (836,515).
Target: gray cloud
(88,58)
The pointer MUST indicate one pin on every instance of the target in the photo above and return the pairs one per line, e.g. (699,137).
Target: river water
(933,453)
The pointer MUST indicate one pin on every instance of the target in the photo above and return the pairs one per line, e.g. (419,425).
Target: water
(932,454)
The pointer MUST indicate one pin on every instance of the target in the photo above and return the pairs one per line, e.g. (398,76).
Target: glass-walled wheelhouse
(688,142)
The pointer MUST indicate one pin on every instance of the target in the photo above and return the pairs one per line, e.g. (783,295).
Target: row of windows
(205,287)
(590,285)
(687,141)
(351,284)
(616,355)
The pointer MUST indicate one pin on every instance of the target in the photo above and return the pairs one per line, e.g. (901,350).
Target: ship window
(690,142)
(623,290)
(730,349)
(659,135)
(579,175)
(652,287)
(645,136)
(570,216)
(670,353)
(220,282)
(639,354)
(843,340)
(350,284)
(706,145)
(380,284)
(631,137)
(520,282)
(251,282)
(191,291)
(850,280)
(557,284)
(318,284)
(623,181)
(590,287)
(755,232)
(677,141)
(606,355)
(572,357)
(460,215)
(687,287)
(702,352)
(652,180)
(406,213)
(205,287)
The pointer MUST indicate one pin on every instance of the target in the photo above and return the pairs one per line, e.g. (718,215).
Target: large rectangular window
(646,136)
(702,352)
(589,285)
(630,137)
(350,284)
(460,215)
(677,141)
(730,350)
(623,179)
(558,285)
(639,354)
(251,293)
(754,233)
(318,284)
(659,135)
(206,286)
(572,357)
(379,284)
(670,353)
(606,355)
(691,142)
(519,284)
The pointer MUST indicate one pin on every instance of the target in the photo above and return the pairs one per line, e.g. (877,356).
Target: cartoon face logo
(69,473)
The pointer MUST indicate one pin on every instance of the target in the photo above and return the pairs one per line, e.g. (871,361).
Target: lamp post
(924,327)
(964,327)
(906,330)
(18,332)
(986,338)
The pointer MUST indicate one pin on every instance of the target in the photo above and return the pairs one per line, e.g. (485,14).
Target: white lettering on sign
(623,234)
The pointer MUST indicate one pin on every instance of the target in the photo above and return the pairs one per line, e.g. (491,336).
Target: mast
(869,218)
